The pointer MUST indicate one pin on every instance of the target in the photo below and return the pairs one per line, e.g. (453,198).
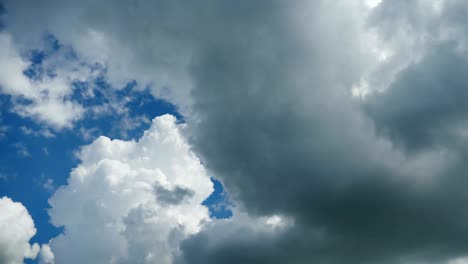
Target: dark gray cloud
(275,126)
(426,106)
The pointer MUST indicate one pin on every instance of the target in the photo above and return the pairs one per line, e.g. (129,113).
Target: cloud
(45,255)
(241,239)
(266,88)
(276,124)
(45,100)
(425,106)
(46,183)
(16,229)
(131,201)
(3,131)
(160,61)
(22,150)
(51,85)
(43,132)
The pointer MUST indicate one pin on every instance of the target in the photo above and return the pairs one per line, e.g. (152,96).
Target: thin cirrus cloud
(268,94)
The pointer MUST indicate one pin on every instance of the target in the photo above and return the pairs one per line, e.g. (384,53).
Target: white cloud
(462,260)
(3,129)
(46,99)
(46,256)
(115,207)
(21,150)
(44,132)
(16,229)
(12,66)
(48,184)
(372,3)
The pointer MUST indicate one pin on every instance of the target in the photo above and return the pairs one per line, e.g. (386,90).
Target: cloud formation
(45,99)
(16,229)
(46,256)
(267,87)
(284,136)
(131,201)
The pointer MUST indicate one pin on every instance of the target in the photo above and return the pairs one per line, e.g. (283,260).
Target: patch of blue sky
(218,202)
(26,159)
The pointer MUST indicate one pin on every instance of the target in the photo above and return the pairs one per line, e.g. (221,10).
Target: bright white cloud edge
(16,229)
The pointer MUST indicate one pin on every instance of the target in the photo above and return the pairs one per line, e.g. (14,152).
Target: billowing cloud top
(16,228)
(131,202)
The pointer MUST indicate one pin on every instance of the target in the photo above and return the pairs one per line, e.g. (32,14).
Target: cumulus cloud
(131,201)
(16,229)
(43,99)
(46,256)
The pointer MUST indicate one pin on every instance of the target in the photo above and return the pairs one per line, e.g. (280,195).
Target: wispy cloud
(22,150)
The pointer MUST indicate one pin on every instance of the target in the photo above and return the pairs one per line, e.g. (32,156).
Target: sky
(217,131)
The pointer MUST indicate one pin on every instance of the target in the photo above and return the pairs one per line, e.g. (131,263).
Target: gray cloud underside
(285,138)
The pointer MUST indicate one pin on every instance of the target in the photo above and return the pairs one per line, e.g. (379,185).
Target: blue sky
(36,160)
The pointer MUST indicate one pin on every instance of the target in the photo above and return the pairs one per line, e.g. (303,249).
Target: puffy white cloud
(45,100)
(16,229)
(53,91)
(131,201)
(46,256)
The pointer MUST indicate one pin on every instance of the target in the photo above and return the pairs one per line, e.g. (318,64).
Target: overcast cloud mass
(338,129)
